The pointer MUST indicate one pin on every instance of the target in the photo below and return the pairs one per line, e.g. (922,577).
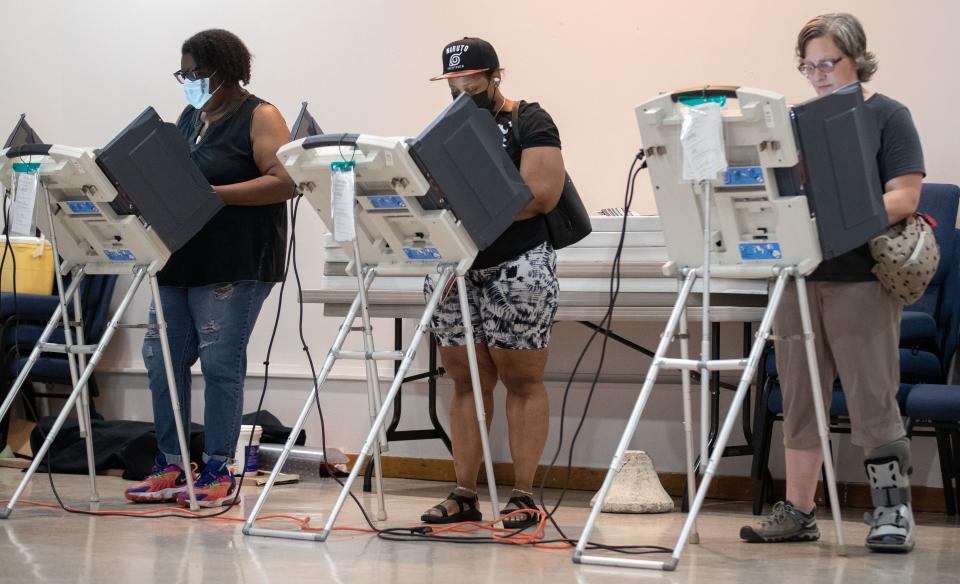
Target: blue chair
(929,329)
(928,342)
(937,408)
(21,326)
(934,406)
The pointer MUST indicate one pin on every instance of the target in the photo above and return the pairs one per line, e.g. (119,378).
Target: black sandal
(468,510)
(522,520)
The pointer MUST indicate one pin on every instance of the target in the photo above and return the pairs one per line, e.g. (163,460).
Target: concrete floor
(48,545)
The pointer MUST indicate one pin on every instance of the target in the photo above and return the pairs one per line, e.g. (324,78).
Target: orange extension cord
(464,528)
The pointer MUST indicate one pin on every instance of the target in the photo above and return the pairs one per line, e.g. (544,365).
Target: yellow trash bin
(34,265)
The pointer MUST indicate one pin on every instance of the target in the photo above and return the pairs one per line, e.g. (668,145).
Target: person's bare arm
(268,133)
(902,196)
(542,169)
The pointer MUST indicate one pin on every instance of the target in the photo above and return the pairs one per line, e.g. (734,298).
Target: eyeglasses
(191,75)
(826,66)
(471,83)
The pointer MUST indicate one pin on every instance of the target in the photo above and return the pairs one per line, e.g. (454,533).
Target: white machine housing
(394,232)
(88,231)
(754,230)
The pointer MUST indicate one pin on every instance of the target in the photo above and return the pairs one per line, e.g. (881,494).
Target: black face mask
(482,100)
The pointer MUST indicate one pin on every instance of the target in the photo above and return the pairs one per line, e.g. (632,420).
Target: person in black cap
(513,293)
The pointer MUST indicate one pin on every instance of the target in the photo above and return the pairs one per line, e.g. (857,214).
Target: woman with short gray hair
(856,323)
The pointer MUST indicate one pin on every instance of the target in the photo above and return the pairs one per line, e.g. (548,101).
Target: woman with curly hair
(212,289)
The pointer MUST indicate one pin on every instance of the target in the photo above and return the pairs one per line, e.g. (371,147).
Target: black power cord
(313,376)
(605,324)
(637,165)
(8,251)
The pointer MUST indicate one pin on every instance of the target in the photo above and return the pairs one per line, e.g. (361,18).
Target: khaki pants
(856,327)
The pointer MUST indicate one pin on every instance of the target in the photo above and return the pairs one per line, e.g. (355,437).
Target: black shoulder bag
(569,221)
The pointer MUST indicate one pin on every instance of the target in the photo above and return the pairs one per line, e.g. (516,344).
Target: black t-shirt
(239,242)
(899,154)
(536,129)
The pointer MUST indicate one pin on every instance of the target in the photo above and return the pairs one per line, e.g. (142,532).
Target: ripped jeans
(213,324)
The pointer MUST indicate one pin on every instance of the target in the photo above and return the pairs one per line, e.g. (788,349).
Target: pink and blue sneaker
(214,486)
(164,483)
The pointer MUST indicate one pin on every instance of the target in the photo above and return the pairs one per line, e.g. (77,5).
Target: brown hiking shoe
(785,523)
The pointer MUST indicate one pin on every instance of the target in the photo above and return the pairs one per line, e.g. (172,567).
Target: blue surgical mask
(197,92)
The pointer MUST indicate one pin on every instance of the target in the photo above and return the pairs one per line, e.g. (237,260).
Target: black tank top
(240,242)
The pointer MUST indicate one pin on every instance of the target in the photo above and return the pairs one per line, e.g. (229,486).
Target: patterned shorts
(512,305)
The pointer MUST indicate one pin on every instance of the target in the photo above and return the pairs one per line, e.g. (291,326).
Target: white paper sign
(343,196)
(25,198)
(701,140)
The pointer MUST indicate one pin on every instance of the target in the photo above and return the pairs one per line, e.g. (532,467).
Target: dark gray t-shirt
(899,154)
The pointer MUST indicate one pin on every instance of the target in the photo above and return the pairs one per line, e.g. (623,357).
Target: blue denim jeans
(213,324)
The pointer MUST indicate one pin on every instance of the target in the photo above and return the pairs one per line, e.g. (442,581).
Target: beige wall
(364,64)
